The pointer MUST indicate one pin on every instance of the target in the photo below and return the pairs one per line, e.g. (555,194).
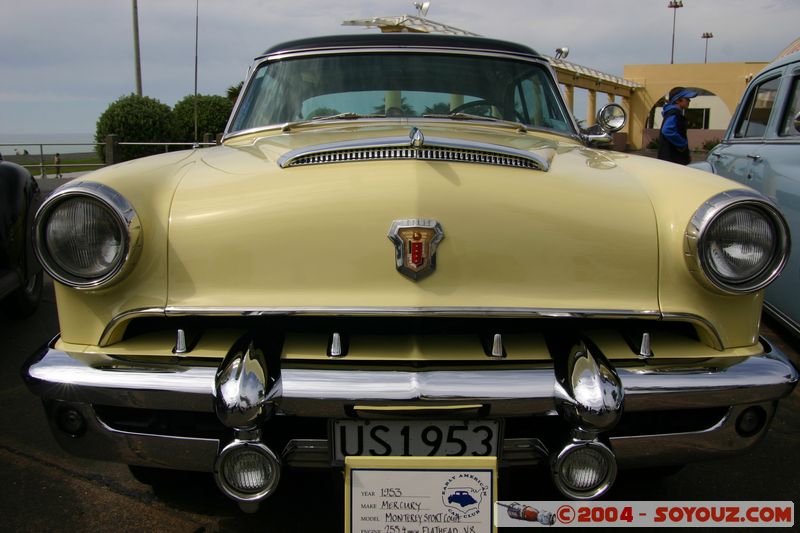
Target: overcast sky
(63,62)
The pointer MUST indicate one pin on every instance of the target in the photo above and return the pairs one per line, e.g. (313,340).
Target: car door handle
(754,157)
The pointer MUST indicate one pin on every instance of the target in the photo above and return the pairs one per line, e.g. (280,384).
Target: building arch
(707,117)
(727,81)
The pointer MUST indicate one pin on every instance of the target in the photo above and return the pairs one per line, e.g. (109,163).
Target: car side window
(753,121)
(792,109)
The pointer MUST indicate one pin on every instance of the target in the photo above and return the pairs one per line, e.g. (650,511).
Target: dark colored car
(20,273)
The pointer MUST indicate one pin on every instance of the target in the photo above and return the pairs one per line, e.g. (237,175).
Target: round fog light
(584,470)
(751,421)
(247,471)
(70,421)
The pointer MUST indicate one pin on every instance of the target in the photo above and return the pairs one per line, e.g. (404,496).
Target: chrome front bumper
(81,381)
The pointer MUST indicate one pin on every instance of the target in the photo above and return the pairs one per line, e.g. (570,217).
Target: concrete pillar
(569,96)
(626,105)
(393,100)
(591,110)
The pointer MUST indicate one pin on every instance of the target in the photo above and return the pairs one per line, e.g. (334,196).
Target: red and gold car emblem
(415,242)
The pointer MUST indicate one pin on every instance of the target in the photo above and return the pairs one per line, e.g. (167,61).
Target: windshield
(401,85)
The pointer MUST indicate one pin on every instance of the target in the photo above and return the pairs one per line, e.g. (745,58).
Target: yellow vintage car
(406,246)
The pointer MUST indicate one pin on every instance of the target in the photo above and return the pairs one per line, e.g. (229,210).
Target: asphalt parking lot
(44,489)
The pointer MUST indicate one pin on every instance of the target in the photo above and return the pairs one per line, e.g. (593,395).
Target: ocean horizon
(52,143)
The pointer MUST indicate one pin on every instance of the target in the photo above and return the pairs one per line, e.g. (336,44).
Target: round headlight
(85,235)
(739,241)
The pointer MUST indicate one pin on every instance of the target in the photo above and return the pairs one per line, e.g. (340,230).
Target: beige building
(721,86)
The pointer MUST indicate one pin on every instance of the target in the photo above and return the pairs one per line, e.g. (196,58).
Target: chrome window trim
(120,207)
(710,211)
(402,143)
(400,49)
(260,60)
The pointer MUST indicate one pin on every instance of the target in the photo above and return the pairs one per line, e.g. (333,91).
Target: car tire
(24,301)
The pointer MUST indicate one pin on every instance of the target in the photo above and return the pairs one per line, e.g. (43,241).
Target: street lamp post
(706,36)
(674,5)
(137,64)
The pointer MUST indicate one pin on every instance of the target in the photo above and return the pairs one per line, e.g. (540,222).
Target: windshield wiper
(321,118)
(466,116)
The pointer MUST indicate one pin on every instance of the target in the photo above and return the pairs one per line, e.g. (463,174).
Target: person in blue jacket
(673,145)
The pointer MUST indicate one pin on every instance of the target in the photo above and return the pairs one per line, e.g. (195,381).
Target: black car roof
(368,40)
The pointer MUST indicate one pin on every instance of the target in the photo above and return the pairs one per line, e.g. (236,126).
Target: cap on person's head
(676,93)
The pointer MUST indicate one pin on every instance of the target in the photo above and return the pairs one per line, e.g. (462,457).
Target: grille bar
(438,149)
(425,154)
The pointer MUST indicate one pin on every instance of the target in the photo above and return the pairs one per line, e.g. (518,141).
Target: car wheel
(24,301)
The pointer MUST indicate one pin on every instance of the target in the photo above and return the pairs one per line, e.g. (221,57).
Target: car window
(534,104)
(754,119)
(792,109)
(402,85)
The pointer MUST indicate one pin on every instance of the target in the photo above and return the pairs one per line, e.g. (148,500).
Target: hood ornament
(417,138)
(415,242)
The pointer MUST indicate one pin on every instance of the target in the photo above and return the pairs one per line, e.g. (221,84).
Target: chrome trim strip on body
(510,312)
(109,333)
(458,312)
(784,319)
(516,391)
(399,148)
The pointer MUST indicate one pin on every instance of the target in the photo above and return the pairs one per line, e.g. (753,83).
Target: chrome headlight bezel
(123,214)
(695,241)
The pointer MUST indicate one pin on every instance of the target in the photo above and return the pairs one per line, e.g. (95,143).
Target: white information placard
(420,494)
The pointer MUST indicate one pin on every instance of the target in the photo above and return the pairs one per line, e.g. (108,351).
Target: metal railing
(110,158)
(42,165)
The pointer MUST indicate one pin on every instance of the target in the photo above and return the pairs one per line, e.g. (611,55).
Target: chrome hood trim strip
(399,148)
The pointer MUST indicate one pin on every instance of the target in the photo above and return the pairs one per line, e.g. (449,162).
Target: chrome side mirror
(612,118)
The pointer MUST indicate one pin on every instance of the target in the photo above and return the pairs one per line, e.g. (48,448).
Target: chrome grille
(432,153)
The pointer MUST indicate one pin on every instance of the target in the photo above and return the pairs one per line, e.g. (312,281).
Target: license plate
(415,437)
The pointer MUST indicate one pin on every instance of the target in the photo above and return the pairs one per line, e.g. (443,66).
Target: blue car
(761,149)
(462,498)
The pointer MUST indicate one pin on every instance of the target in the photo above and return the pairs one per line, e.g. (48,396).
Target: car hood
(246,234)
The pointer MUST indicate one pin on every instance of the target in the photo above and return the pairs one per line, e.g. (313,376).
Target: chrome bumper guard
(81,381)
